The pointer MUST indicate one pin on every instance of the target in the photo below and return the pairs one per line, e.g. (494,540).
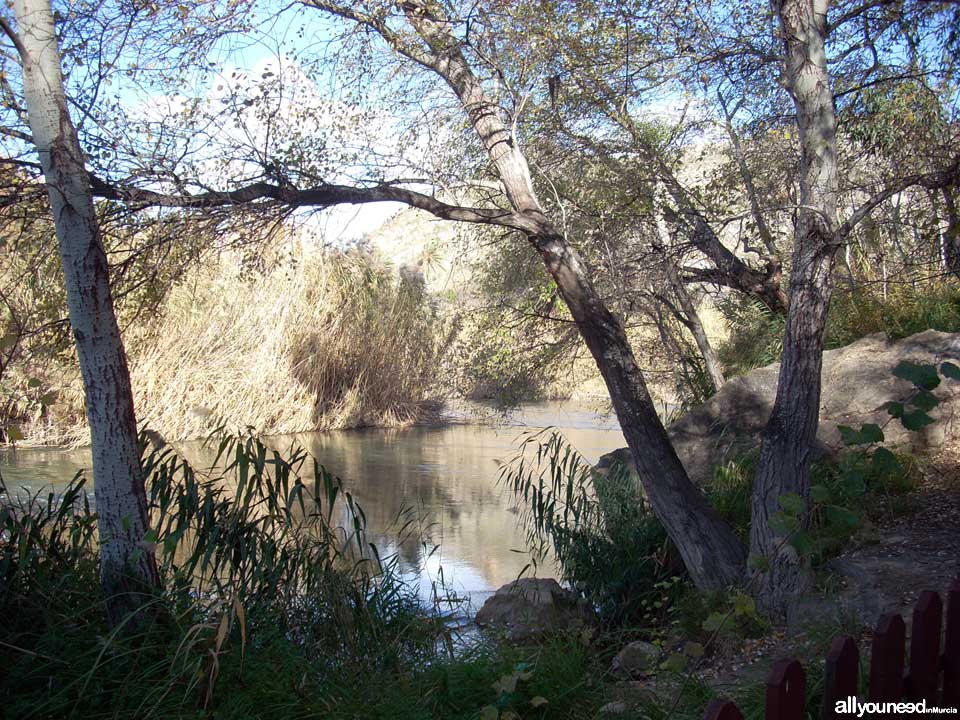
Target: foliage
(327,340)
(756,337)
(271,609)
(606,541)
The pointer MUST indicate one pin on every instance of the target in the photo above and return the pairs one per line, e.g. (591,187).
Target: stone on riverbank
(529,608)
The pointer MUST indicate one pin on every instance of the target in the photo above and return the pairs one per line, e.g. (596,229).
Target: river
(446,475)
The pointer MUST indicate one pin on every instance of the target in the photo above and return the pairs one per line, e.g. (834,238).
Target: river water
(445,476)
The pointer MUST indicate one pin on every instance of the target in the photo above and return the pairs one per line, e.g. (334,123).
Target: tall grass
(756,337)
(332,340)
(264,554)
(274,606)
(606,541)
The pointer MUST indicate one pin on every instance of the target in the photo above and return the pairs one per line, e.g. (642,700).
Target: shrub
(607,543)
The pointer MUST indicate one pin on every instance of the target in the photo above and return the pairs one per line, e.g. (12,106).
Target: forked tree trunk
(127,566)
(789,436)
(710,549)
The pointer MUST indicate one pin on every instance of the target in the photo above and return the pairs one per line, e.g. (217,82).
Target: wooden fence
(933,675)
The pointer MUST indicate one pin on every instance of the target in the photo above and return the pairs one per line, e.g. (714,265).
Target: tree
(127,565)
(783,467)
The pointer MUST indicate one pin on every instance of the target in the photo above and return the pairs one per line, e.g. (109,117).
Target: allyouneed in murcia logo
(852,706)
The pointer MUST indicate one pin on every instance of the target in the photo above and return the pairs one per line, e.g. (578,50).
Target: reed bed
(333,340)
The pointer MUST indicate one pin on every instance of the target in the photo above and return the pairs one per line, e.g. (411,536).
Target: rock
(857,382)
(529,608)
(635,659)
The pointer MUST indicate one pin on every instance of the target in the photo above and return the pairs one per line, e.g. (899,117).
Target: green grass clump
(756,337)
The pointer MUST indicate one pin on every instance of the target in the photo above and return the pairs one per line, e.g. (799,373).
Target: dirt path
(915,547)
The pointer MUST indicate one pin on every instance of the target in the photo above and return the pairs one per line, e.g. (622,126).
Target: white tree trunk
(128,568)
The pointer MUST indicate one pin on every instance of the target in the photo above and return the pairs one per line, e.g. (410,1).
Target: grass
(332,340)
(274,606)
(757,333)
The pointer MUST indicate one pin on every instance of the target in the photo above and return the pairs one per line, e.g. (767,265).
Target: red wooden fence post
(722,710)
(925,647)
(841,676)
(786,691)
(951,648)
(886,659)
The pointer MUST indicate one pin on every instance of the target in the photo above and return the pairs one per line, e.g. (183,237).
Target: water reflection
(439,481)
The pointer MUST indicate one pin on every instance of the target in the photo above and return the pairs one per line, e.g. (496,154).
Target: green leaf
(538,701)
(792,504)
(867,434)
(693,649)
(915,420)
(744,605)
(760,563)
(924,377)
(871,432)
(49,398)
(13,433)
(820,494)
(803,543)
(715,622)
(895,409)
(885,462)
(489,712)
(951,371)
(8,340)
(925,400)
(675,663)
(783,523)
(34,383)
(843,517)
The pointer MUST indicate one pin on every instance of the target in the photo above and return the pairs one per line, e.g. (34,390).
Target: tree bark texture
(128,568)
(784,462)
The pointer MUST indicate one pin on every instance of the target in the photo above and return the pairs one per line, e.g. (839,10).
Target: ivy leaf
(792,504)
(715,622)
(781,522)
(538,701)
(925,400)
(924,377)
(744,605)
(693,649)
(489,712)
(844,517)
(895,409)
(885,462)
(675,663)
(760,563)
(867,434)
(915,420)
(820,494)
(950,371)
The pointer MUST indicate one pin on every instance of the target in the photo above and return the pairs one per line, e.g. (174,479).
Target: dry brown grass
(331,341)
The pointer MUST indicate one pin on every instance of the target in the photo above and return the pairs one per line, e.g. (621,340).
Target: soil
(914,546)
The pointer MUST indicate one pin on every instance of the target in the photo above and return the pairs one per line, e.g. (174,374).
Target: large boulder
(530,608)
(858,381)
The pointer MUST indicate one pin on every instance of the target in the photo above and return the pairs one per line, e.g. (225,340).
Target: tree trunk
(127,566)
(710,549)
(788,438)
(951,235)
(690,318)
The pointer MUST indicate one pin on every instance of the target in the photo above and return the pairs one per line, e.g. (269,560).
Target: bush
(756,337)
(607,543)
